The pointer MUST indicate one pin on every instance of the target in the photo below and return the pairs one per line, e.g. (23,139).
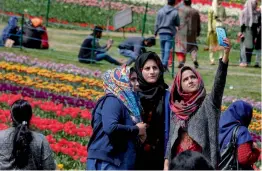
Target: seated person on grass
(134,46)
(10,32)
(35,34)
(91,51)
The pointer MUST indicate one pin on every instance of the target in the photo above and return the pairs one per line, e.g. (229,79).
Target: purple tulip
(58,67)
(230,99)
(29,92)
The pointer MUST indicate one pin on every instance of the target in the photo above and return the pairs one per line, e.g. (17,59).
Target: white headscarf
(249,14)
(214,6)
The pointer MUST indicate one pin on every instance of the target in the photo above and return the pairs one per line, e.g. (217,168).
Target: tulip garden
(65,13)
(75,14)
(62,97)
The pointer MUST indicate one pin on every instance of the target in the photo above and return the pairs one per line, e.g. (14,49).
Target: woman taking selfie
(195,115)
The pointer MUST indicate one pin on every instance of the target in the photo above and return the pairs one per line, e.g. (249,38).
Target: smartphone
(221,35)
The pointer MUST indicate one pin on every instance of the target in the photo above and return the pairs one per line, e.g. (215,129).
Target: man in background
(134,46)
(167,21)
(193,32)
(91,51)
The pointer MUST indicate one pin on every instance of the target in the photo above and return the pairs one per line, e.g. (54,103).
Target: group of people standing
(178,26)
(140,124)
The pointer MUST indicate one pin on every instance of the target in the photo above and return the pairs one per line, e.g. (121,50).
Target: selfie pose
(195,115)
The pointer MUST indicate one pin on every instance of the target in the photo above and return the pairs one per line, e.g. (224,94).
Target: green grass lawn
(65,44)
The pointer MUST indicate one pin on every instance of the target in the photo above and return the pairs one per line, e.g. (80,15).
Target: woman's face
(150,71)
(189,82)
(134,82)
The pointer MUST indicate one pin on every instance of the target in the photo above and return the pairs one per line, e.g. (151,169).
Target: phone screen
(221,35)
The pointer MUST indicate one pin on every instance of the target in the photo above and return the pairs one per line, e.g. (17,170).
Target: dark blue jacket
(114,133)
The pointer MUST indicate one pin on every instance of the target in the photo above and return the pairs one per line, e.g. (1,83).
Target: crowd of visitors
(141,123)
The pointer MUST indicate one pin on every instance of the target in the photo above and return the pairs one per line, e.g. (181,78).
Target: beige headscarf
(249,14)
(214,6)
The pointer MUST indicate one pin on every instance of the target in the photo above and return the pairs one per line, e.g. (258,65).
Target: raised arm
(220,79)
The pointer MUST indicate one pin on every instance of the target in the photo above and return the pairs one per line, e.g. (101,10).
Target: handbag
(229,160)
(9,43)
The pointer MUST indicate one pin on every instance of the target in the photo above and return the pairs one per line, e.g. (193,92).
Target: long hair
(21,114)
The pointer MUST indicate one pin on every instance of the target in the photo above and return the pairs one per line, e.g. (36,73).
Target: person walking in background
(116,124)
(90,50)
(193,32)
(248,24)
(22,148)
(154,98)
(195,115)
(239,113)
(243,58)
(216,16)
(134,46)
(167,21)
(181,35)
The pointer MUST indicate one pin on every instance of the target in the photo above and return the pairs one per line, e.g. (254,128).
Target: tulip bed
(78,14)
(67,129)
(65,13)
(62,110)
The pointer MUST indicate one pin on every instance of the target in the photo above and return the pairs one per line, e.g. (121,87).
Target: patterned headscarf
(184,104)
(117,82)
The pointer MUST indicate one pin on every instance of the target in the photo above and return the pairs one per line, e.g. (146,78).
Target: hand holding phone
(221,36)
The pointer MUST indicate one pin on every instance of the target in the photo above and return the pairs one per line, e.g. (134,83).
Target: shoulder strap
(234,136)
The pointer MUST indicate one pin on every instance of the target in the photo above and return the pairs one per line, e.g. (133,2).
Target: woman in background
(248,24)
(216,16)
(21,148)
(239,113)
